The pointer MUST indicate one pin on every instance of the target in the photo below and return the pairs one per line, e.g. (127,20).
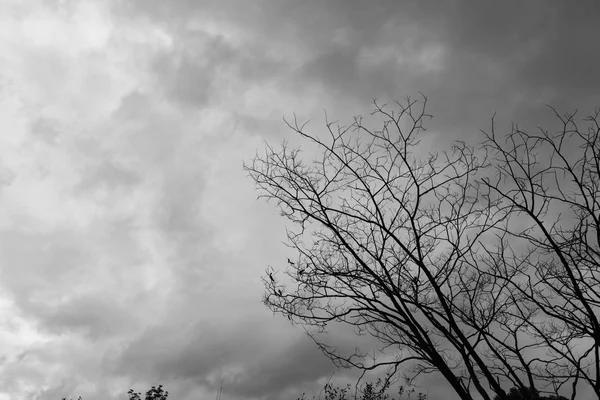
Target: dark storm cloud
(555,41)
(200,351)
(301,364)
(511,57)
(507,57)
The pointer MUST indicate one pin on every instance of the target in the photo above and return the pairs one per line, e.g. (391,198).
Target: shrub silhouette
(515,394)
(154,393)
(369,391)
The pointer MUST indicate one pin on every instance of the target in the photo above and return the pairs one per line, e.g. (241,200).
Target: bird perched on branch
(291,262)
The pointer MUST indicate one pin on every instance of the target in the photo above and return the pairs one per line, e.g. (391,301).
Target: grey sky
(131,244)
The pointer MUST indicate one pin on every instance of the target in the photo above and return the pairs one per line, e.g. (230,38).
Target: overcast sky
(131,243)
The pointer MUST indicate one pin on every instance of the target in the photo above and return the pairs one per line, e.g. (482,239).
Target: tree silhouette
(480,264)
(527,394)
(154,393)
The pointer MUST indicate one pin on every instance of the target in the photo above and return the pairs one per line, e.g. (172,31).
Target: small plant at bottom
(154,393)
(369,391)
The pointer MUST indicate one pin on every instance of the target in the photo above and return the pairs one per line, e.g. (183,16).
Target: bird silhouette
(271,277)
(301,271)
(290,262)
(280,292)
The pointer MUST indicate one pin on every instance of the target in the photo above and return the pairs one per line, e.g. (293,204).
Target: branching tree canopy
(478,263)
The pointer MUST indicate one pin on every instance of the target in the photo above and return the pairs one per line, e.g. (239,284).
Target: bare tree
(550,183)
(451,261)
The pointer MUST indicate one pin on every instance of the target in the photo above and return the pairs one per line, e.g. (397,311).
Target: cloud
(131,242)
(189,71)
(252,360)
(108,174)
(298,365)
